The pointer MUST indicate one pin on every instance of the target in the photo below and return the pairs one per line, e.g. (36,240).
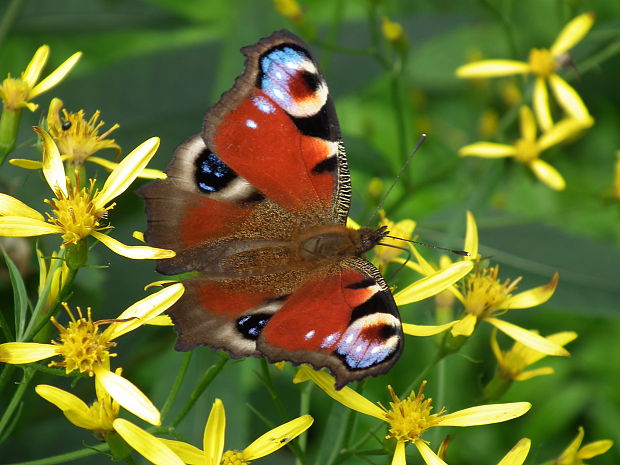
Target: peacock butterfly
(256,205)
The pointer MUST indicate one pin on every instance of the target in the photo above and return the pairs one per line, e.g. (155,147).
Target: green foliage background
(155,66)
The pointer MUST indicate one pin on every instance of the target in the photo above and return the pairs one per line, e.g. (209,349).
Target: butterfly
(256,207)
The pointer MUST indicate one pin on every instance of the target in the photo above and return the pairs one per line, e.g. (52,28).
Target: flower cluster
(544,64)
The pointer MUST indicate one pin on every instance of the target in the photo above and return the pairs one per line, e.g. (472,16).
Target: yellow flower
(78,139)
(392,30)
(290,9)
(83,348)
(408,419)
(575,454)
(432,283)
(17,93)
(97,417)
(165,451)
(77,211)
(528,148)
(543,63)
(484,297)
(512,364)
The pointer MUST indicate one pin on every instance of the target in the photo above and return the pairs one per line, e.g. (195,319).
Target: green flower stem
(505,24)
(68,456)
(496,387)
(9,126)
(268,383)
(77,255)
(205,381)
(304,409)
(338,452)
(177,385)
(16,400)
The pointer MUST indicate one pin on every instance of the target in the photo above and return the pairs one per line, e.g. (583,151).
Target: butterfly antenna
(402,265)
(454,251)
(398,176)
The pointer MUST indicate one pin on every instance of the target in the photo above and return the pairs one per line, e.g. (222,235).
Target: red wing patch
(346,321)
(260,142)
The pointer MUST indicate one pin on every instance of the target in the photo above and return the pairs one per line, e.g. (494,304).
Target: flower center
(14,92)
(541,61)
(233,457)
(76,213)
(527,150)
(104,411)
(76,137)
(81,344)
(484,293)
(411,417)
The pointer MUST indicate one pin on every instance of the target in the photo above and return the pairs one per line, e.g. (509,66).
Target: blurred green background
(155,66)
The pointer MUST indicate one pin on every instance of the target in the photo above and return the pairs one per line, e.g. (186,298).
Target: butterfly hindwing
(345,320)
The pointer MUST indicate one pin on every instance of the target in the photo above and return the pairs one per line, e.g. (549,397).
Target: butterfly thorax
(334,241)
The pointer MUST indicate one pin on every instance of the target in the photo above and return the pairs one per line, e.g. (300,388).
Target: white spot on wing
(309,335)
(251,124)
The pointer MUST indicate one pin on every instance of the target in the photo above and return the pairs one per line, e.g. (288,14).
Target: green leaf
(20,297)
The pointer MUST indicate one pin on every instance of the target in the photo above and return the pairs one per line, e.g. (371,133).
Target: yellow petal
(138,235)
(562,338)
(471,236)
(399,454)
(136,252)
(161,283)
(146,173)
(26,164)
(497,352)
(55,76)
(569,100)
(127,171)
(277,438)
(525,375)
(80,413)
(36,65)
(351,223)
(186,452)
(533,297)
(487,150)
(492,68)
(426,330)
(517,455)
(53,114)
(213,440)
(346,396)
(433,284)
(547,174)
(572,33)
(573,447)
(26,352)
(541,104)
(161,320)
(528,338)
(485,414)
(146,444)
(10,206)
(145,309)
(594,448)
(430,458)
(53,169)
(128,395)
(527,123)
(465,326)
(17,226)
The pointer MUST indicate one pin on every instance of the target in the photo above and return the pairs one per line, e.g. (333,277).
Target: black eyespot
(250,326)
(212,174)
(66,125)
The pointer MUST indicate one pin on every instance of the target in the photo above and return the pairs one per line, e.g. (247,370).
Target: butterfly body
(256,206)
